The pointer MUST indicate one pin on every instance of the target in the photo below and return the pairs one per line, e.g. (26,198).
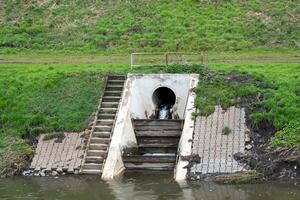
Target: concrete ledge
(185,143)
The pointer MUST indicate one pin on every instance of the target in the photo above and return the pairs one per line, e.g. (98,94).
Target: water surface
(141,186)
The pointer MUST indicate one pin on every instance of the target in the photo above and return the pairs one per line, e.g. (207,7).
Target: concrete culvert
(164,99)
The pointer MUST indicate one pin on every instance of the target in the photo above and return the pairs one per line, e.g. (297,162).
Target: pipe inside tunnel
(164,99)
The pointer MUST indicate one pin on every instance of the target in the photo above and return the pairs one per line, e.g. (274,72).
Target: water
(164,112)
(141,187)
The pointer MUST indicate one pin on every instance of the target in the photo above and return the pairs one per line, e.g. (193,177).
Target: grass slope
(52,98)
(159,25)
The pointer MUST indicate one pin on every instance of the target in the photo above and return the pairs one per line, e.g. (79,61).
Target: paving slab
(53,155)
(215,148)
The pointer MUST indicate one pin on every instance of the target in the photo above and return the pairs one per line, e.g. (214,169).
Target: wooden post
(131,60)
(167,61)
(202,58)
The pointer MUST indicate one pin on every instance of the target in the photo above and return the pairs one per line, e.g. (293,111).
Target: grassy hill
(55,97)
(65,26)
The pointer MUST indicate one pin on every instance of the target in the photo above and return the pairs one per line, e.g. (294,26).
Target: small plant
(51,136)
(226,130)
(288,136)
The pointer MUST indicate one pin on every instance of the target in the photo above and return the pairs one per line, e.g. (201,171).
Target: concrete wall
(142,106)
(137,104)
(185,143)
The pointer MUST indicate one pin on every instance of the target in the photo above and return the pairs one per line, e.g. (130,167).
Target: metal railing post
(131,61)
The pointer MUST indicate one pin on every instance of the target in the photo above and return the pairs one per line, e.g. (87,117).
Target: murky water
(140,186)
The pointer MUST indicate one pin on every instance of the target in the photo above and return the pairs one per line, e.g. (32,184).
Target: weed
(226,130)
(288,136)
(50,136)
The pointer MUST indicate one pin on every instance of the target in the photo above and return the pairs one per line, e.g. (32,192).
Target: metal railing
(166,56)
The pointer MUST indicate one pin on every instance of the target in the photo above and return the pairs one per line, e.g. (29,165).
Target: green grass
(222,89)
(281,97)
(40,101)
(282,101)
(50,98)
(81,27)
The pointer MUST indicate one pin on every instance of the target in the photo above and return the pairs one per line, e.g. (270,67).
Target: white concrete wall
(142,106)
(185,143)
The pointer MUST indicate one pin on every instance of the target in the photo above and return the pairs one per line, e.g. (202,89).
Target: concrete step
(116,77)
(91,171)
(118,88)
(109,104)
(115,82)
(158,141)
(108,110)
(113,93)
(96,153)
(158,133)
(94,146)
(92,166)
(101,134)
(111,98)
(157,122)
(115,85)
(148,159)
(100,140)
(106,116)
(94,159)
(158,128)
(103,128)
(158,145)
(105,122)
(150,166)
(143,150)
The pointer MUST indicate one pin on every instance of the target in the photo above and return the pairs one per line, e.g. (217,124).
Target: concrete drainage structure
(141,96)
(145,122)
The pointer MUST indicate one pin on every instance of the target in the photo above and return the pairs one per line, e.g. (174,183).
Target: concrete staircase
(157,145)
(100,137)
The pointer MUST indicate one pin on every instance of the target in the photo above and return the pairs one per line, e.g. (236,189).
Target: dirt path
(209,58)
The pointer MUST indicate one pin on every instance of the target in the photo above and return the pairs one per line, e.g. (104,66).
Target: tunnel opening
(164,99)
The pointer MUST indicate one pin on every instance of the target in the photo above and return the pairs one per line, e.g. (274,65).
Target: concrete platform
(65,156)
(216,149)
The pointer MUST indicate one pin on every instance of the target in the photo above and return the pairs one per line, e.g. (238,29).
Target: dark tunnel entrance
(164,99)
